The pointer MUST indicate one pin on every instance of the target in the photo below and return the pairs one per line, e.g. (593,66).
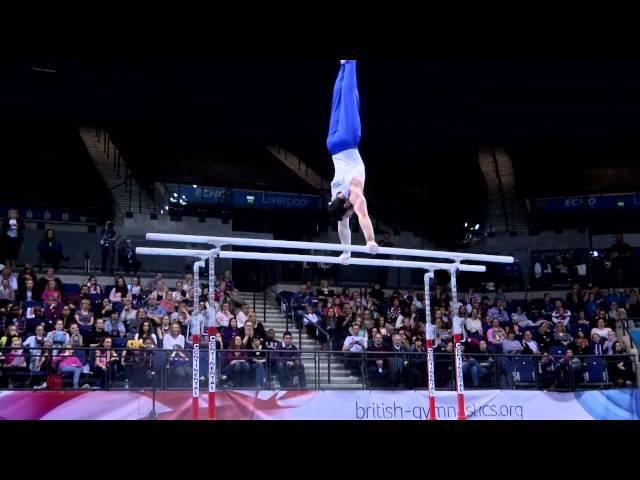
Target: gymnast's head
(339,207)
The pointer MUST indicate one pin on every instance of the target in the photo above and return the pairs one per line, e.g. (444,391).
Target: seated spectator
(595,348)
(499,312)
(473,325)
(520,318)
(129,315)
(345,297)
(574,301)
(135,290)
(14,317)
(544,337)
(164,329)
(377,295)
(398,362)
(58,337)
(476,362)
(354,344)
(568,369)
(161,291)
(67,317)
(107,361)
(95,290)
(311,320)
(230,332)
(84,295)
(51,292)
(582,346)
(223,316)
(377,365)
(148,363)
(153,283)
(384,328)
(324,292)
(560,315)
(258,362)
(511,346)
(620,367)
(547,305)
(174,338)
(271,344)
(145,331)
(84,317)
(75,338)
(236,365)
(27,274)
(180,293)
(495,335)
(609,344)
(243,315)
(119,292)
(6,292)
(444,365)
(632,306)
(68,362)
(114,326)
(36,318)
(501,296)
(104,309)
(258,326)
(624,319)
(591,306)
(442,333)
(418,364)
(28,293)
(179,366)
(222,293)
(601,329)
(15,364)
(154,311)
(530,346)
(9,277)
(561,336)
(394,312)
(611,297)
(532,305)
(34,343)
(182,316)
(44,281)
(288,364)
(167,303)
(96,335)
(51,313)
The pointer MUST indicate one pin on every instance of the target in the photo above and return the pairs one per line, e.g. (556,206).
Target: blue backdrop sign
(235,198)
(592,202)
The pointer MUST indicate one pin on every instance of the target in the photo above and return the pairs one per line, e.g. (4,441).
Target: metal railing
(125,368)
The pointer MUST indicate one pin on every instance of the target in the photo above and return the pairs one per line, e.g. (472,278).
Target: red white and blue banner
(622,404)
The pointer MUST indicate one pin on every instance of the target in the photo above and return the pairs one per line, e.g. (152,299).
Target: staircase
(331,374)
(300,168)
(504,211)
(126,193)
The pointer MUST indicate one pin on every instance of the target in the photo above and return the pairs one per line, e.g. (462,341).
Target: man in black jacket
(377,366)
(288,363)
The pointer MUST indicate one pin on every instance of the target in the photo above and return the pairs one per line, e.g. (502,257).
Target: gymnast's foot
(372,247)
(344,258)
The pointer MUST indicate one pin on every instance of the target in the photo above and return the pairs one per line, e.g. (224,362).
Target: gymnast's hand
(372,247)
